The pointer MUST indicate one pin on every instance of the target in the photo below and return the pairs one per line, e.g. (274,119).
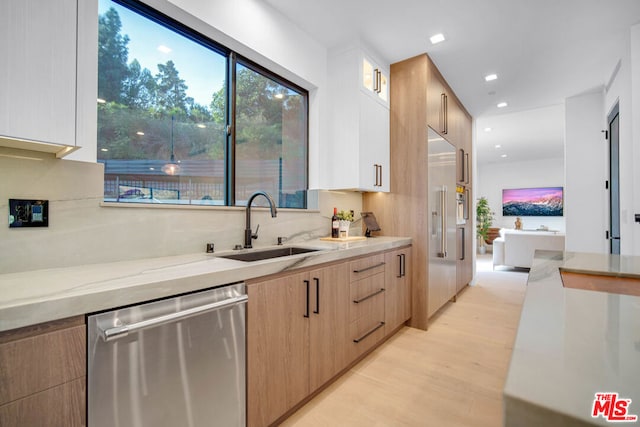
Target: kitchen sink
(259,255)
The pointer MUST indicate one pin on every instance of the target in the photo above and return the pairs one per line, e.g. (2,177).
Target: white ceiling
(542,50)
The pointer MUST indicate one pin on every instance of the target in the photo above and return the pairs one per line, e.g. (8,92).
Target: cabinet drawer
(367,331)
(365,296)
(366,267)
(33,364)
(63,405)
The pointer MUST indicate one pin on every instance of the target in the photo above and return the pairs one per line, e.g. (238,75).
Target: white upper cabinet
(356,153)
(38,74)
(375,80)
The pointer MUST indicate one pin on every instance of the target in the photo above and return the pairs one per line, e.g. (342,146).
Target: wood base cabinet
(43,375)
(303,329)
(295,339)
(398,290)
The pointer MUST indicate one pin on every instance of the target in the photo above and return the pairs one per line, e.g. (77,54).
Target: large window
(183,120)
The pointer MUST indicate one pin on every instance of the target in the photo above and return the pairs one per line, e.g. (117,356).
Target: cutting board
(343,239)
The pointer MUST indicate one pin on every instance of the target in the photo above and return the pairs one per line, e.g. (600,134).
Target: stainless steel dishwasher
(173,362)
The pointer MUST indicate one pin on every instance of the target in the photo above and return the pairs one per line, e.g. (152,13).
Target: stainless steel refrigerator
(442,221)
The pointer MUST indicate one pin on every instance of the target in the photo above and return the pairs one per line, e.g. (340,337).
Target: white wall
(586,168)
(494,177)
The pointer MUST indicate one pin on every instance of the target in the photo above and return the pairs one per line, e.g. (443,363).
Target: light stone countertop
(33,297)
(572,344)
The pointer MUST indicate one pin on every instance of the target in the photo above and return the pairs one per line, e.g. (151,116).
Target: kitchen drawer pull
(371,267)
(378,326)
(123,330)
(317,310)
(306,313)
(358,301)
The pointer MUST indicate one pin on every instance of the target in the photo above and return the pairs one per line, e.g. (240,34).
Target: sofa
(515,248)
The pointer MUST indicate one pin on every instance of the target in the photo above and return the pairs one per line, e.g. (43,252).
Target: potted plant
(345,218)
(484,217)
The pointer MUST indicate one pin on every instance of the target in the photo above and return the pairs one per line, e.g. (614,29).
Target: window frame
(233,58)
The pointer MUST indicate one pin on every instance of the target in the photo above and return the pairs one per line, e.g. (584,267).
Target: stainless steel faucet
(248,234)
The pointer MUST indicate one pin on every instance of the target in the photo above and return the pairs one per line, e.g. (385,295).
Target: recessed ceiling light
(101,101)
(487,129)
(164,49)
(436,38)
(490,77)
(498,146)
(502,105)
(104,149)
(140,133)
(503,156)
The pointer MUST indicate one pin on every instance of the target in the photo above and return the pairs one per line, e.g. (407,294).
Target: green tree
(172,90)
(139,88)
(112,56)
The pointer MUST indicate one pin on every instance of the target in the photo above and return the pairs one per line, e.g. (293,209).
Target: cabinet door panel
(277,347)
(33,364)
(374,145)
(397,289)
(63,405)
(38,76)
(329,318)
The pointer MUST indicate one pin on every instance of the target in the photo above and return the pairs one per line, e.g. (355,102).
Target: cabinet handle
(358,301)
(380,176)
(317,310)
(461,160)
(442,95)
(375,165)
(467,167)
(378,326)
(404,265)
(379,81)
(462,244)
(375,80)
(446,114)
(443,223)
(369,268)
(399,265)
(306,313)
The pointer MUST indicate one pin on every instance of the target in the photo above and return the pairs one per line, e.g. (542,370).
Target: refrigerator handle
(443,223)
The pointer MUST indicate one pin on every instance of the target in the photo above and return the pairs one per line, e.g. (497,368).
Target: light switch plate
(28,213)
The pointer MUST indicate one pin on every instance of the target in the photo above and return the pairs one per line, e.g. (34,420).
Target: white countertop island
(573,343)
(33,297)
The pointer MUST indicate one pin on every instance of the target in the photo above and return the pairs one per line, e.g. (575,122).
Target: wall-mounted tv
(541,201)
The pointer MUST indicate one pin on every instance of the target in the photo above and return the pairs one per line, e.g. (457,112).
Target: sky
(190,58)
(528,194)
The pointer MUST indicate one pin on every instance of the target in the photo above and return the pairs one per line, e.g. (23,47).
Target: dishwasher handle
(120,331)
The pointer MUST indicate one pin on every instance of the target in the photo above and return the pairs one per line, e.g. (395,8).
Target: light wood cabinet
(305,328)
(329,315)
(356,156)
(295,339)
(420,98)
(277,347)
(398,292)
(43,375)
(38,76)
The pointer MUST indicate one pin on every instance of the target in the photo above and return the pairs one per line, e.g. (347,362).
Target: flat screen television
(541,201)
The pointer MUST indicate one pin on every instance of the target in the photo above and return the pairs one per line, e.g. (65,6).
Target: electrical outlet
(28,213)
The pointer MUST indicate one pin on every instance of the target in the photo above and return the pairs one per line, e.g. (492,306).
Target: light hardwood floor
(450,375)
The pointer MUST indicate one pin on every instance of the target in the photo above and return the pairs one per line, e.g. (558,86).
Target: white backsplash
(81,231)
